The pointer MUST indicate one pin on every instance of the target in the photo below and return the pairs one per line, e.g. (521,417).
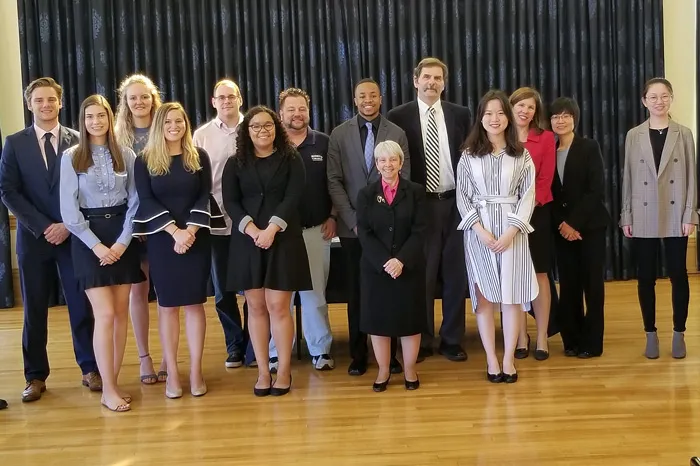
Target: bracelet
(334,217)
(173,233)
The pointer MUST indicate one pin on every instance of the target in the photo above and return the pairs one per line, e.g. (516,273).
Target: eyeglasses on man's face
(256,128)
(224,98)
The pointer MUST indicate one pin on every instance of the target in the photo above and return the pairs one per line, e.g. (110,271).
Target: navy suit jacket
(29,191)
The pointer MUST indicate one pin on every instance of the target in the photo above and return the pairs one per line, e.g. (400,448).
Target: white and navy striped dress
(499,191)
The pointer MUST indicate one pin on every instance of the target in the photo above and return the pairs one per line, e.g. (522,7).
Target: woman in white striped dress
(495,197)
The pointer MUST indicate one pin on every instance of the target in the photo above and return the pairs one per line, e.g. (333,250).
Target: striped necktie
(432,154)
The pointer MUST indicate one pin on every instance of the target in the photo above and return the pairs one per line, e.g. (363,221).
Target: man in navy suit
(29,185)
(436,130)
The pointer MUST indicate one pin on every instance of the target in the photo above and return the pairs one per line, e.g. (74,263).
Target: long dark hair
(82,157)
(245,150)
(477,143)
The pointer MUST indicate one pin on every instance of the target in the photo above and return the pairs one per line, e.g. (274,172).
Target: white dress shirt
(447,174)
(55,131)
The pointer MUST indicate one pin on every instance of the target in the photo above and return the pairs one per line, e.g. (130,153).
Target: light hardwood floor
(620,409)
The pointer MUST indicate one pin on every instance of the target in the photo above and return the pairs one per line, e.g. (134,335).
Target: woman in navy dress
(98,203)
(173,179)
(262,186)
(138,101)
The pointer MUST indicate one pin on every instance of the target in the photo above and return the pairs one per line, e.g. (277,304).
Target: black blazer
(579,201)
(29,191)
(244,194)
(457,120)
(396,230)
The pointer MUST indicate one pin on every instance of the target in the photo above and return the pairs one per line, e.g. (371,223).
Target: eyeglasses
(652,99)
(562,117)
(224,98)
(267,127)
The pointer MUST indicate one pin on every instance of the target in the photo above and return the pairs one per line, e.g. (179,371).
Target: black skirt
(107,224)
(284,266)
(541,240)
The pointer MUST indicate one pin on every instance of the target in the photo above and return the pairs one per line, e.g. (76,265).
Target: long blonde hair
(156,155)
(124,127)
(82,156)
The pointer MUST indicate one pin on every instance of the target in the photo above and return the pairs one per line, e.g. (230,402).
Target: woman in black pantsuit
(262,186)
(173,180)
(391,223)
(580,216)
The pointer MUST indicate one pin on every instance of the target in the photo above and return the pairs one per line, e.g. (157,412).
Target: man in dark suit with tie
(350,168)
(29,185)
(435,131)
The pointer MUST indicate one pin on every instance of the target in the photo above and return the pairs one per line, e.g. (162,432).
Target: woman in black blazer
(262,185)
(580,216)
(391,223)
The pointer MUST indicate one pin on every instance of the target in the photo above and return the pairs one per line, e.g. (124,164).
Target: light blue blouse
(101,186)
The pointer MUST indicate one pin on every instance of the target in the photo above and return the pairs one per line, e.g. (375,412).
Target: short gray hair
(388,148)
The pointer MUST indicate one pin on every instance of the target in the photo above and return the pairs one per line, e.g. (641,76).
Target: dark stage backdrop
(597,51)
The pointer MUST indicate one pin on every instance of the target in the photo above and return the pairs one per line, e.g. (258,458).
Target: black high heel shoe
(381,387)
(263,391)
(411,384)
(275,391)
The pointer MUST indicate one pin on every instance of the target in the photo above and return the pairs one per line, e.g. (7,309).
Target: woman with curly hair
(262,186)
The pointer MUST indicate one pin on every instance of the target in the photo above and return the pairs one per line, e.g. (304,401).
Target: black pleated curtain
(7,297)
(597,51)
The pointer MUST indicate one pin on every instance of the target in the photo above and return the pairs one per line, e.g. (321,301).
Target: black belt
(443,195)
(104,212)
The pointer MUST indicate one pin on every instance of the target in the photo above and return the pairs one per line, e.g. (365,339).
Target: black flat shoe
(277,391)
(522,353)
(510,378)
(357,367)
(380,387)
(570,353)
(453,352)
(395,366)
(263,391)
(411,385)
(494,378)
(587,355)
(541,355)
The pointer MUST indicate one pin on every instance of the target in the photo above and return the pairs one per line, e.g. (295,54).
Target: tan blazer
(657,204)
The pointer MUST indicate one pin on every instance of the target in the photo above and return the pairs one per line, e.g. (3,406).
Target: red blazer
(543,153)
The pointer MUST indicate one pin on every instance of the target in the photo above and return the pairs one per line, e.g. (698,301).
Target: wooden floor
(620,409)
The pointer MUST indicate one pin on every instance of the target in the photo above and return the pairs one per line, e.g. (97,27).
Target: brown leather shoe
(33,390)
(93,381)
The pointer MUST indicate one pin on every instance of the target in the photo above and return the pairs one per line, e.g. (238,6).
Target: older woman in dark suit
(580,216)
(659,204)
(391,222)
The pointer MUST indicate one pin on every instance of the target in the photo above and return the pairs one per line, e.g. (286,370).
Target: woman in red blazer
(531,121)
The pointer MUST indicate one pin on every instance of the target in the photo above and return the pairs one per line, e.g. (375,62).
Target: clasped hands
(184,239)
(499,245)
(393,267)
(568,232)
(108,256)
(262,238)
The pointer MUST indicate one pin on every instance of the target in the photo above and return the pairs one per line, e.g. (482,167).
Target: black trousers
(34,280)
(444,254)
(646,251)
(581,266)
(352,252)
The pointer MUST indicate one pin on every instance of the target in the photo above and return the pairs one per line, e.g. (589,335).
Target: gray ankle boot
(678,345)
(652,349)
